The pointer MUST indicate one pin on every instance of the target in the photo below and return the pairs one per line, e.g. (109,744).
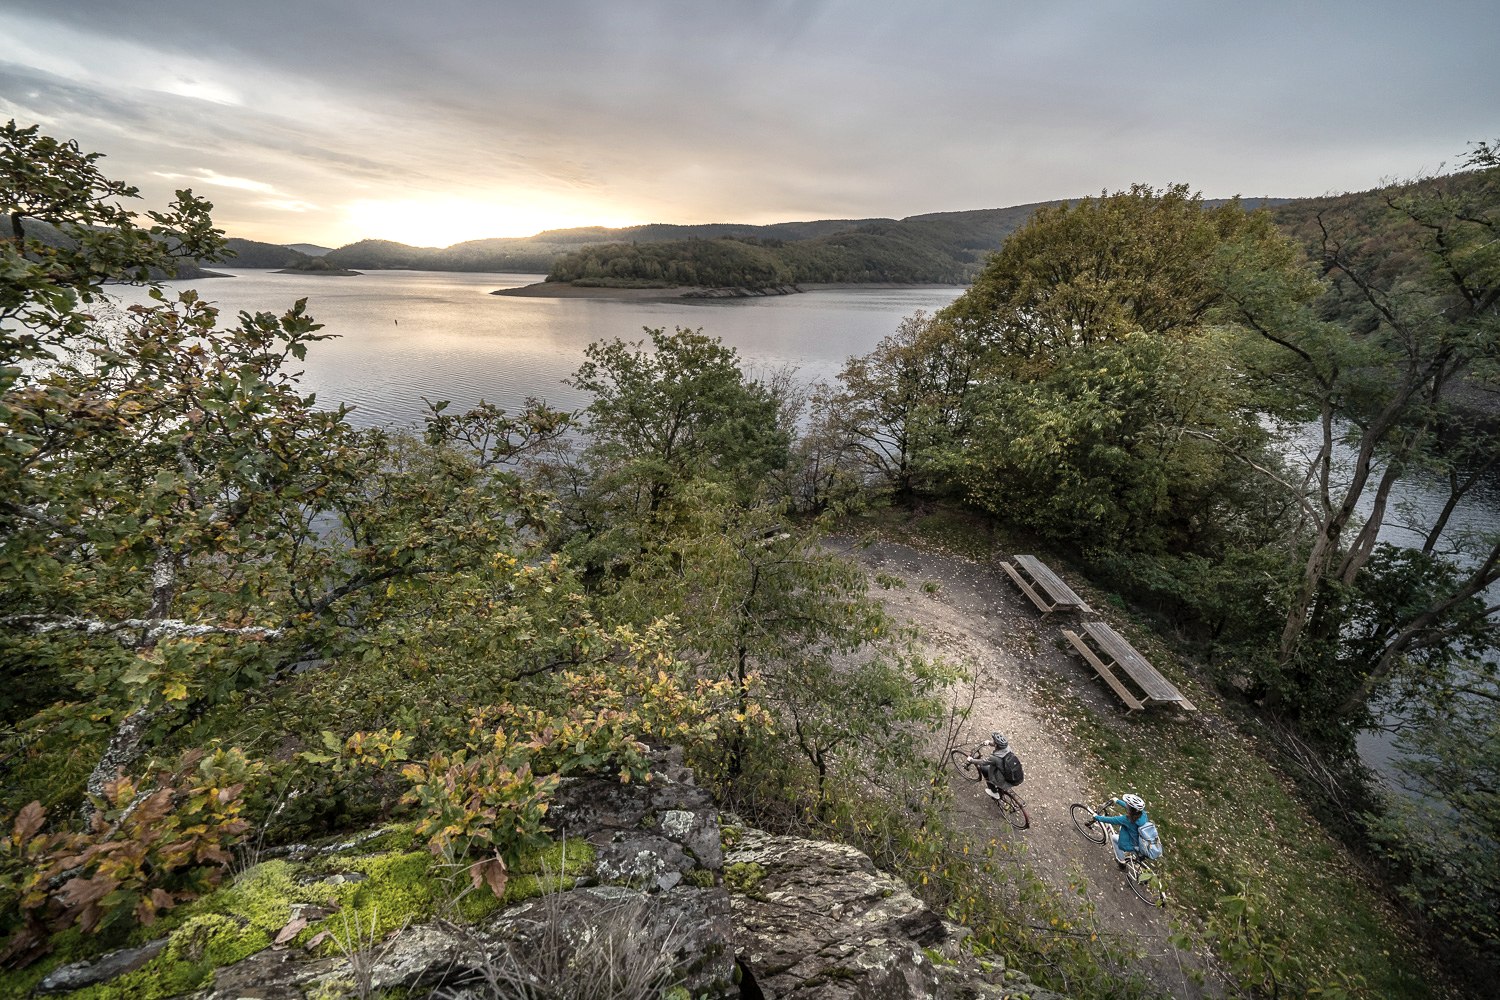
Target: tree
(193,552)
(1441,831)
(660,420)
(177,520)
(1094,271)
(761,603)
(1121,448)
(1102,397)
(1379,387)
(896,405)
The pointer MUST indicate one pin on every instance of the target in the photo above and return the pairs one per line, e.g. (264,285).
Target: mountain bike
(966,763)
(1140,872)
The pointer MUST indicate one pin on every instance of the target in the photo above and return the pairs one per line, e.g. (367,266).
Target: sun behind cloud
(442,221)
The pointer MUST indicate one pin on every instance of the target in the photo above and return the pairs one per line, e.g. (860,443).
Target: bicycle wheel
(1083,818)
(1015,810)
(1145,882)
(965,767)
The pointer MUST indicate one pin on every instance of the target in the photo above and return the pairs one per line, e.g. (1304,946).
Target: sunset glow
(458,121)
(435,221)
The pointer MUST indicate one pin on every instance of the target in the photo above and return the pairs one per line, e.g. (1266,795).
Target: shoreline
(562,290)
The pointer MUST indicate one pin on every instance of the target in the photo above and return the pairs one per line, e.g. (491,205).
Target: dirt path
(971,614)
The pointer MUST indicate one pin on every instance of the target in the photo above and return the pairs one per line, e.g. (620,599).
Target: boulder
(102,969)
(817,921)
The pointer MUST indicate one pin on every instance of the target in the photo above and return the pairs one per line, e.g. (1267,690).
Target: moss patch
(744,876)
(700,877)
(224,927)
(400,837)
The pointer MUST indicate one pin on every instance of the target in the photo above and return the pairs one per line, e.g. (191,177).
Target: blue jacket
(1129,838)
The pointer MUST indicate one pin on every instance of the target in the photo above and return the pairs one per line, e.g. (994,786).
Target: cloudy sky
(432,122)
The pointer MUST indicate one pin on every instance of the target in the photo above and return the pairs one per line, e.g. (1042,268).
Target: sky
(329,121)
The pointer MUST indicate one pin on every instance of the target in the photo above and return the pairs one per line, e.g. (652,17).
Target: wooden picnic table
(1115,652)
(1045,588)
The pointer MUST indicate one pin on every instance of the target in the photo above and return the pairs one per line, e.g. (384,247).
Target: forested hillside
(944,249)
(931,248)
(249,253)
(941,248)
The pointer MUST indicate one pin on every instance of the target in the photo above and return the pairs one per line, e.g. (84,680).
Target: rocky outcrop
(671,904)
(735,292)
(817,921)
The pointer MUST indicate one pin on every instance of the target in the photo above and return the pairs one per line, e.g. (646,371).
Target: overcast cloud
(333,120)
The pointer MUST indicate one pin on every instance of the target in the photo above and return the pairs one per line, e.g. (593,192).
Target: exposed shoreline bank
(562,290)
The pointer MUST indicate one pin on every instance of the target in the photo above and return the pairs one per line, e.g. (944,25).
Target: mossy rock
(388,890)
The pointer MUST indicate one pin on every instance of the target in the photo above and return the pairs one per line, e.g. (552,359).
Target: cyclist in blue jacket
(1126,835)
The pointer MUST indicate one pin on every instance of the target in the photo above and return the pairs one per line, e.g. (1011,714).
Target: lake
(408,334)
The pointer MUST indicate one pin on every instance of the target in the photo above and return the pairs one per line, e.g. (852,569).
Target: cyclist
(1126,832)
(1001,769)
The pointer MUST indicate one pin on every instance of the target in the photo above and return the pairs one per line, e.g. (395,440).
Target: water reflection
(408,334)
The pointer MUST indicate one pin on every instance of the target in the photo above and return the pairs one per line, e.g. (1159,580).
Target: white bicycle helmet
(1001,743)
(1134,802)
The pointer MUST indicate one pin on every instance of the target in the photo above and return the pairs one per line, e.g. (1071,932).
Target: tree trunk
(123,750)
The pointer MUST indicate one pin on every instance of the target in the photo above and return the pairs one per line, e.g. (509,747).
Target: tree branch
(149,630)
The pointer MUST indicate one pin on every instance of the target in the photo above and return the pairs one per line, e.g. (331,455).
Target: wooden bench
(1044,587)
(1115,653)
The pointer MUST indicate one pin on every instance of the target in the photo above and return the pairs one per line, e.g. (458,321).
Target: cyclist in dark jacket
(994,767)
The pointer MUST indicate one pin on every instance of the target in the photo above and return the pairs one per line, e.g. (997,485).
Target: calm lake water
(408,334)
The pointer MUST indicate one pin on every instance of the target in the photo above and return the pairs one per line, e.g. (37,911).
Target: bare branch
(144,631)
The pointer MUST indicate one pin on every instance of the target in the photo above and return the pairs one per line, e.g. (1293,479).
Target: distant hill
(249,253)
(944,248)
(939,247)
(1386,242)
(310,249)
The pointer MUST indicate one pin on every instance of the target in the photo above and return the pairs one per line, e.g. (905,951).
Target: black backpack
(1010,768)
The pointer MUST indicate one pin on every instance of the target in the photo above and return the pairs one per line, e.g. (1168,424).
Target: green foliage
(791,627)
(1132,444)
(1442,831)
(1264,959)
(52,182)
(893,410)
(1232,602)
(484,801)
(181,525)
(1086,273)
(1378,363)
(684,410)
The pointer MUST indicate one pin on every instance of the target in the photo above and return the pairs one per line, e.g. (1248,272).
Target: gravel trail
(970,613)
